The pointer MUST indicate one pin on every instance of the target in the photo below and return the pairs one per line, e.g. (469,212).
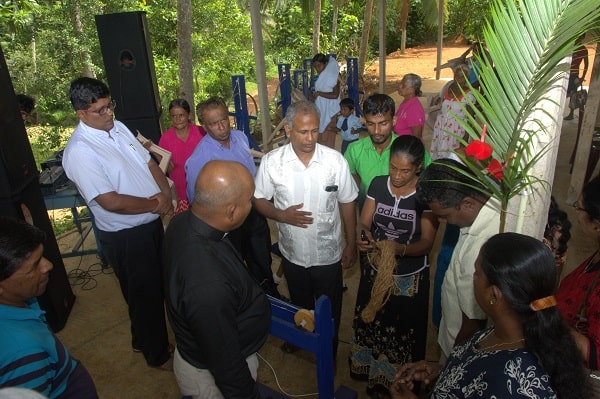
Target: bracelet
(404,252)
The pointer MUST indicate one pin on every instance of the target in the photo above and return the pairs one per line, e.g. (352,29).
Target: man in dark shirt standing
(219,314)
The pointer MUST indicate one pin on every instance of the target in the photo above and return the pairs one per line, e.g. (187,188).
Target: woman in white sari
(327,96)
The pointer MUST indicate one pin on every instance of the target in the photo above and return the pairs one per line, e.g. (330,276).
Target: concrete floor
(97,331)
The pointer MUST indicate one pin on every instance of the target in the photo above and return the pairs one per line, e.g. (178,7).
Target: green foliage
(46,140)
(16,18)
(467,18)
(47,44)
(219,59)
(291,37)
(349,30)
(417,31)
(222,47)
(61,221)
(167,81)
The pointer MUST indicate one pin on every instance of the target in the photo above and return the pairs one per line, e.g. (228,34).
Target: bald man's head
(223,194)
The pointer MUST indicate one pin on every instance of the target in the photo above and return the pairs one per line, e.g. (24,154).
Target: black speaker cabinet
(127,54)
(21,197)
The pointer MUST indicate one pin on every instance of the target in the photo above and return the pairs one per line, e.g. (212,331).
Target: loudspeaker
(15,150)
(129,65)
(21,197)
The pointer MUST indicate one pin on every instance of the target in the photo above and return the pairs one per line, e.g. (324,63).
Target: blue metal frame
(70,198)
(285,86)
(352,81)
(301,81)
(307,64)
(319,342)
(242,119)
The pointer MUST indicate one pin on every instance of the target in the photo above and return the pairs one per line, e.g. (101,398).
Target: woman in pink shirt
(410,117)
(181,139)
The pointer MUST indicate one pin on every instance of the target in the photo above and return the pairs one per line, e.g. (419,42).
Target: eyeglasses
(102,111)
(577,207)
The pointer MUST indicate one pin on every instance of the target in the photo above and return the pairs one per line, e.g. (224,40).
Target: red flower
(496,169)
(479,150)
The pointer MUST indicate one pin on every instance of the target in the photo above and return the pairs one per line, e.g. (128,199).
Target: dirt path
(419,60)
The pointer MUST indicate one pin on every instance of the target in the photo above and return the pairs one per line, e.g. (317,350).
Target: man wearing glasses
(126,192)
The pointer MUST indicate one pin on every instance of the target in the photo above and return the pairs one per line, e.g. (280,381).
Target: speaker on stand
(21,197)
(129,65)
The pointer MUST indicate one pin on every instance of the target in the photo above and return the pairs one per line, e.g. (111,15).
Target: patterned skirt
(397,335)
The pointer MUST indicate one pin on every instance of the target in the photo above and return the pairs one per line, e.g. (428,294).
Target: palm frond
(528,43)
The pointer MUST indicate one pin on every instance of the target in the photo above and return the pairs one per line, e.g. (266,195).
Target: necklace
(591,265)
(485,348)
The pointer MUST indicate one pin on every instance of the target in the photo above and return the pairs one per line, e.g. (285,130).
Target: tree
(184,52)
(334,21)
(364,42)
(84,55)
(404,22)
(316,26)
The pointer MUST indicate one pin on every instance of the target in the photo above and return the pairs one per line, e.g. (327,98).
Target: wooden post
(382,53)
(440,41)
(261,74)
(587,130)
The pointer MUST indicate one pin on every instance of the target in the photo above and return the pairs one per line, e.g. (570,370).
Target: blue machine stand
(352,81)
(285,86)
(242,119)
(301,81)
(319,342)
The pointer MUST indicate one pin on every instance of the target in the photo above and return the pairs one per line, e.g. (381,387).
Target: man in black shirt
(219,315)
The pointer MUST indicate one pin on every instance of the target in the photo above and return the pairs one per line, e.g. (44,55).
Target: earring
(492,301)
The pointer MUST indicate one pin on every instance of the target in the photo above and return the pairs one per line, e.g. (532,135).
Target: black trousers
(134,255)
(253,241)
(307,284)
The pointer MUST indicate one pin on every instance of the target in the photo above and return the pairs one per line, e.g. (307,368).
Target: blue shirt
(353,123)
(210,149)
(32,357)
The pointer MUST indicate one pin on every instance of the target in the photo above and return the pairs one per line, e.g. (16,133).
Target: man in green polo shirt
(370,156)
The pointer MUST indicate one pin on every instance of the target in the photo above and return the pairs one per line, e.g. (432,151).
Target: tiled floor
(97,331)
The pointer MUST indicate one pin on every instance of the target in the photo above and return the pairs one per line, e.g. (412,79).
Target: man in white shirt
(126,192)
(447,187)
(311,186)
